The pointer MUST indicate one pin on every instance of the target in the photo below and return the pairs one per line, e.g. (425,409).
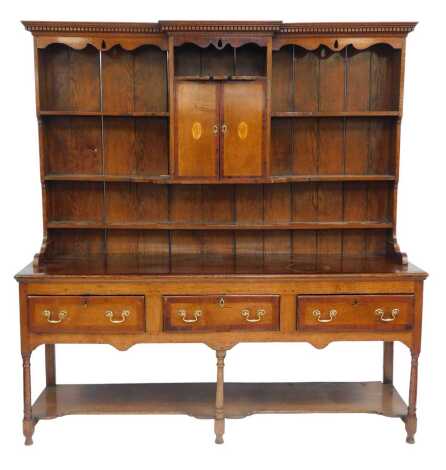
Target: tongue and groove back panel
(307,164)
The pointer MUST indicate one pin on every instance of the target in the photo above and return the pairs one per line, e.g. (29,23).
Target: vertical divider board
(392,246)
(104,188)
(171,98)
(269,72)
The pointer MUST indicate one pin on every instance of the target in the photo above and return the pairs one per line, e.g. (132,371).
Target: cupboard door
(196,129)
(243,107)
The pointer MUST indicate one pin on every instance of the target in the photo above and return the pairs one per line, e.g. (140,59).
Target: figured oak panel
(86,314)
(355,312)
(221,313)
(243,128)
(196,129)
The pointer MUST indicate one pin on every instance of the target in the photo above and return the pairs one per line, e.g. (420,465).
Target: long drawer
(355,312)
(221,312)
(86,314)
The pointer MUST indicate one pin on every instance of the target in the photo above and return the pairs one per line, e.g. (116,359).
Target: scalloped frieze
(220,42)
(335,43)
(104,43)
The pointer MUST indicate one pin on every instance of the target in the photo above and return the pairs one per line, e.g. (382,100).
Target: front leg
(28,421)
(411,418)
(219,423)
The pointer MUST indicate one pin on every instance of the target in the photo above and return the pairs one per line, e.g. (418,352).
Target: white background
(289,441)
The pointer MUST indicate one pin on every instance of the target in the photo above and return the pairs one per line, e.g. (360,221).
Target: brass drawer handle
(124,315)
(60,316)
(224,128)
(246,313)
(221,302)
(183,314)
(381,314)
(331,315)
(215,129)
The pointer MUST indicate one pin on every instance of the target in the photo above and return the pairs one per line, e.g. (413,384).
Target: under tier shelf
(167,179)
(227,226)
(241,399)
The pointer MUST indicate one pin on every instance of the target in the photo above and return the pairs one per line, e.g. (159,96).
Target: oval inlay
(196,130)
(243,130)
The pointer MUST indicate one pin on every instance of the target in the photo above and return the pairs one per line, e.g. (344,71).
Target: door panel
(196,137)
(242,128)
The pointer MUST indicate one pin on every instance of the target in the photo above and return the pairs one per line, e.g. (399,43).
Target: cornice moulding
(172,27)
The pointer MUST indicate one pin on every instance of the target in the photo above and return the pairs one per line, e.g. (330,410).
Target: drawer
(355,312)
(86,314)
(221,312)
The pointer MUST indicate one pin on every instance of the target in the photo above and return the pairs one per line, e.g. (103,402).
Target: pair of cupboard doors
(219,128)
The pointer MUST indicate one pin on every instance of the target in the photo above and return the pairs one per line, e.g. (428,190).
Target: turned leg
(28,421)
(411,418)
(388,363)
(219,424)
(50,364)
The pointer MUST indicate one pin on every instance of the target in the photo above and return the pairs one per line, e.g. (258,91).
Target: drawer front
(86,314)
(221,313)
(355,312)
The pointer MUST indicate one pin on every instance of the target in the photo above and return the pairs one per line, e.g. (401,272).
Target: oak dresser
(218,183)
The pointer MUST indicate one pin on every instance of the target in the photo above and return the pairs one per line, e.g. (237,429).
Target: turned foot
(28,431)
(219,428)
(411,428)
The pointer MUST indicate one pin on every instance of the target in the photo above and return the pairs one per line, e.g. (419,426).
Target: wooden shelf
(167,179)
(161,179)
(227,226)
(315,114)
(105,114)
(241,399)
